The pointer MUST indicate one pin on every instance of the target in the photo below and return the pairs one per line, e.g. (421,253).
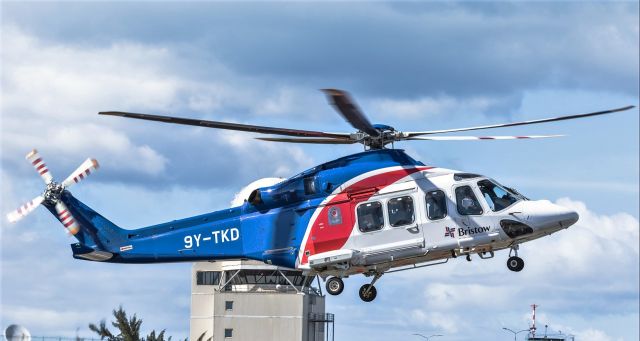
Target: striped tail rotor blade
(25,209)
(66,218)
(39,165)
(82,172)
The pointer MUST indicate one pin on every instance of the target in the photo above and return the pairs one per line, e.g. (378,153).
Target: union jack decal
(450,232)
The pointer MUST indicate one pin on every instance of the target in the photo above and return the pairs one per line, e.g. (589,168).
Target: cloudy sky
(416,66)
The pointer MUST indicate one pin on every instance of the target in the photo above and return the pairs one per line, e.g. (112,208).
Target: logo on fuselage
(470,231)
(450,232)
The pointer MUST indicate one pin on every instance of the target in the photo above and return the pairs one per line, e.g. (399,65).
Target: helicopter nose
(547,215)
(568,218)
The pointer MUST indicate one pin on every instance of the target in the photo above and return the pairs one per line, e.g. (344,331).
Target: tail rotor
(53,191)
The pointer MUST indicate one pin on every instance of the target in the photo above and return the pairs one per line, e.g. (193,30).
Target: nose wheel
(368,292)
(515,263)
(335,285)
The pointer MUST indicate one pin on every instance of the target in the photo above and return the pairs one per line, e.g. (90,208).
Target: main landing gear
(515,263)
(334,286)
(367,292)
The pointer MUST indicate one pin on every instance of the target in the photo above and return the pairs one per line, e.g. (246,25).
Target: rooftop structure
(248,300)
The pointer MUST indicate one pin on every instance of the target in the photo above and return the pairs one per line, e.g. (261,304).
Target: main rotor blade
(227,125)
(513,124)
(306,140)
(347,107)
(25,209)
(472,138)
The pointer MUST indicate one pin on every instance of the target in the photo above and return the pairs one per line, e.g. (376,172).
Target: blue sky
(415,66)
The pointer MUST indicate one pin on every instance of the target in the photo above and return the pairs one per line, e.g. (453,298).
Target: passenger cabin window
(436,205)
(497,197)
(467,202)
(400,211)
(370,216)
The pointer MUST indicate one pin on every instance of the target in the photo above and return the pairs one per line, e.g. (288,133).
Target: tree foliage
(128,329)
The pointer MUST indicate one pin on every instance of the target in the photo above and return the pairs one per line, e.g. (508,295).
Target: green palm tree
(128,329)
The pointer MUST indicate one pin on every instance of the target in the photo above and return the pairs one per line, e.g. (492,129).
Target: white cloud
(433,106)
(52,92)
(593,244)
(437,320)
(593,335)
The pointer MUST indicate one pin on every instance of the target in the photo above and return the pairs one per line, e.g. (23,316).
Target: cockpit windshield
(498,198)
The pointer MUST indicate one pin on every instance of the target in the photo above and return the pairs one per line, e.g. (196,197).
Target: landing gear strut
(334,286)
(515,263)
(368,292)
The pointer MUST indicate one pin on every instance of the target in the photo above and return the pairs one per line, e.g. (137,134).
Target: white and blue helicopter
(370,213)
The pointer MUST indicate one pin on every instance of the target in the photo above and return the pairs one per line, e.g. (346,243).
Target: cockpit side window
(400,211)
(497,197)
(370,216)
(466,201)
(436,205)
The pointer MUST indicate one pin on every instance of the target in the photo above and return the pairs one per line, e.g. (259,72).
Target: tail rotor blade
(66,218)
(82,172)
(39,165)
(25,209)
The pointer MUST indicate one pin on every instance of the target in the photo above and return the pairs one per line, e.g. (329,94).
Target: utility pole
(515,333)
(426,337)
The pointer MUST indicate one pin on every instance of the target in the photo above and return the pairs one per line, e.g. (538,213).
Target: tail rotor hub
(52,193)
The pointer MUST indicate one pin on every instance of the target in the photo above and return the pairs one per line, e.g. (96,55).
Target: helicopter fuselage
(364,213)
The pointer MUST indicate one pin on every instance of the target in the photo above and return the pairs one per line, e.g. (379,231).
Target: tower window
(228,333)
(208,277)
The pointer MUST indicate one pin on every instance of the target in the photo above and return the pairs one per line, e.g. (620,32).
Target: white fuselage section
(434,215)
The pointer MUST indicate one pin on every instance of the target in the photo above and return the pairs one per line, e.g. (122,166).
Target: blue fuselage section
(270,229)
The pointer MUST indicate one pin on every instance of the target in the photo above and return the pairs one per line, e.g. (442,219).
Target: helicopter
(371,213)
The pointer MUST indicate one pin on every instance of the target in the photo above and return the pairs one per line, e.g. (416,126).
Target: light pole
(427,337)
(515,333)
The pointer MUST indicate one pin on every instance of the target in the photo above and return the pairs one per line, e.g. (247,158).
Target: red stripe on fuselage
(324,237)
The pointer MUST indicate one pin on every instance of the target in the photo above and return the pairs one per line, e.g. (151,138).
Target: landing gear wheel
(515,263)
(370,295)
(334,286)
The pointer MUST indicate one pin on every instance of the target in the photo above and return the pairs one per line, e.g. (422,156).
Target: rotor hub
(387,135)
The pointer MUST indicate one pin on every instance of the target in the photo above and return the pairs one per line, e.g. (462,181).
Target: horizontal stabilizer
(81,251)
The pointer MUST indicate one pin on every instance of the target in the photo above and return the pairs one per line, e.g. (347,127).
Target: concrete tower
(248,300)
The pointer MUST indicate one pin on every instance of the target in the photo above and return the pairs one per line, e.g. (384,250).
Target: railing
(322,326)
(315,317)
(270,288)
